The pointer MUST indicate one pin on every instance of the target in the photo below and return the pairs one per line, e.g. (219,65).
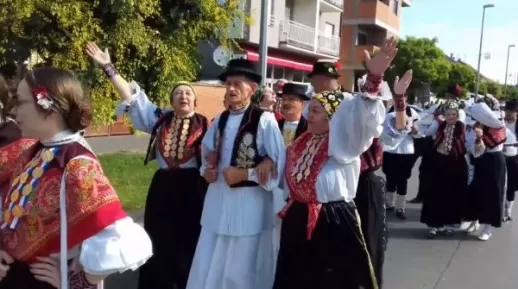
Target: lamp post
(263,39)
(477,86)
(507,66)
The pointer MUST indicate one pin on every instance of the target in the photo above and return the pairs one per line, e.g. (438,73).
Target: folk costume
(398,159)
(370,195)
(291,130)
(60,201)
(487,189)
(175,197)
(322,244)
(442,205)
(511,160)
(236,248)
(12,146)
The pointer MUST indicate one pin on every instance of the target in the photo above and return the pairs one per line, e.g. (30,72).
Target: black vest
(245,154)
(301,127)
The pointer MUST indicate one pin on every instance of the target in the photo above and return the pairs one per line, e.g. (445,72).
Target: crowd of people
(278,191)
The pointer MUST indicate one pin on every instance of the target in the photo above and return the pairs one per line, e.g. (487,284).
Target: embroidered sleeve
(92,203)
(142,112)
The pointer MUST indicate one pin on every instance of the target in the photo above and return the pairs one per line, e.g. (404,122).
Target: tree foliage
(424,57)
(153,42)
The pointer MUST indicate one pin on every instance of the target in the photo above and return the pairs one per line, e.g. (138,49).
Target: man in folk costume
(487,190)
(511,156)
(293,124)
(236,246)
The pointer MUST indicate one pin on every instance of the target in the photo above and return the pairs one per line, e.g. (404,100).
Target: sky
(457,25)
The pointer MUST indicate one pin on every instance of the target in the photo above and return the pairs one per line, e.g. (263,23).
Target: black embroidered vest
(184,146)
(245,154)
(302,126)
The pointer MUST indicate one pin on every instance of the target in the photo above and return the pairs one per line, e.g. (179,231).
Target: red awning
(283,62)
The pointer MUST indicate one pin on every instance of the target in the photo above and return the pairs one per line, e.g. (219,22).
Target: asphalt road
(412,262)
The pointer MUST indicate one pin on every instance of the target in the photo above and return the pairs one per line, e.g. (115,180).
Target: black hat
(327,68)
(299,90)
(511,105)
(242,67)
(454,89)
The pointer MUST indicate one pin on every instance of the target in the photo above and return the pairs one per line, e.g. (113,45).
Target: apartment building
(299,33)
(366,24)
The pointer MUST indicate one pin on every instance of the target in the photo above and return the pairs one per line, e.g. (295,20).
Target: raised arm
(142,112)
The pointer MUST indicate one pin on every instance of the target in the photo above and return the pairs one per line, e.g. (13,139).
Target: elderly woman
(485,204)
(322,245)
(59,205)
(443,206)
(175,197)
(266,99)
(12,145)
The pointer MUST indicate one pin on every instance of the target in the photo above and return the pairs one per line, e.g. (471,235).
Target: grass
(129,177)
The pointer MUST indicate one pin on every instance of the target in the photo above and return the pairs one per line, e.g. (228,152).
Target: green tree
(495,89)
(153,42)
(425,58)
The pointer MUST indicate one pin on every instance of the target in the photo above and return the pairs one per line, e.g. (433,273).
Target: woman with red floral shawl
(62,224)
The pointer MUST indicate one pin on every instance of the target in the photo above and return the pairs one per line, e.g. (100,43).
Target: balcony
(373,12)
(337,5)
(303,38)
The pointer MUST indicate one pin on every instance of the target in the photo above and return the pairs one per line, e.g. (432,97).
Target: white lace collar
(66,137)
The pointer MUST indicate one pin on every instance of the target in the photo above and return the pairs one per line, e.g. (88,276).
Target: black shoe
(432,234)
(416,201)
(390,209)
(400,214)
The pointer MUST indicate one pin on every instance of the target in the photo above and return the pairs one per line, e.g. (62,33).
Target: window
(361,38)
(396,7)
(329,29)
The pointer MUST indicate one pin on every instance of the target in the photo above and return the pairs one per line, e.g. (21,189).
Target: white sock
(390,199)
(400,202)
(509,207)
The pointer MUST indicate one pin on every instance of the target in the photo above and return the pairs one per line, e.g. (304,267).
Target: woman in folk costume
(60,209)
(175,197)
(266,99)
(370,195)
(442,208)
(511,156)
(322,245)
(399,157)
(293,124)
(236,248)
(12,144)
(485,205)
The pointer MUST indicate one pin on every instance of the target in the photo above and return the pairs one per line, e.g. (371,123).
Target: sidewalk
(113,144)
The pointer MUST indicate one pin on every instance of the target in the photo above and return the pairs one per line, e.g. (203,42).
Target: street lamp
(480,48)
(507,66)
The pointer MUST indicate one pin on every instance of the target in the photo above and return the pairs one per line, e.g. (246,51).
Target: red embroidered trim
(305,190)
(78,281)
(494,136)
(372,84)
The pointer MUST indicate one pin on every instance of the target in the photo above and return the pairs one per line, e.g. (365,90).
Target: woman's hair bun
(80,115)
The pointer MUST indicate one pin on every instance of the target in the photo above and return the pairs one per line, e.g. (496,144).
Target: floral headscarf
(258,95)
(330,100)
(450,104)
(491,102)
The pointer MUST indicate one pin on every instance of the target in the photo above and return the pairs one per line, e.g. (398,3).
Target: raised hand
(401,85)
(382,59)
(100,57)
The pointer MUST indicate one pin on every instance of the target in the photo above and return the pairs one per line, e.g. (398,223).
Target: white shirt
(399,141)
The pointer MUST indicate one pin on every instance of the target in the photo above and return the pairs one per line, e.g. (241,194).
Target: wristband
(110,70)
(372,83)
(78,281)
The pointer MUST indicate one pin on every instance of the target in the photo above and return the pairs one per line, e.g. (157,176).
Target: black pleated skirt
(370,202)
(485,201)
(443,204)
(20,277)
(426,167)
(172,221)
(335,257)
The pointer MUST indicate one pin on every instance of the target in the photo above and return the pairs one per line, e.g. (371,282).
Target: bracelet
(78,281)
(110,70)
(399,102)
(372,83)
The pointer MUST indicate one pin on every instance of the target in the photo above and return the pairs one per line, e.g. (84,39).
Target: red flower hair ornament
(338,66)
(42,98)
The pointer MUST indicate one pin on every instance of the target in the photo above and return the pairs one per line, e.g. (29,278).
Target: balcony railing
(298,35)
(337,3)
(329,45)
